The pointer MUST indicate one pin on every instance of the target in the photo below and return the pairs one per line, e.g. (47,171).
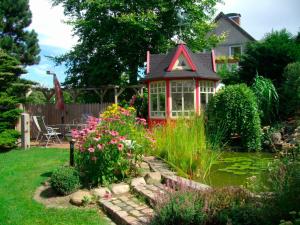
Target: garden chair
(49,133)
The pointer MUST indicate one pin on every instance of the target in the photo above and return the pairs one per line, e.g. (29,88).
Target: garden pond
(234,168)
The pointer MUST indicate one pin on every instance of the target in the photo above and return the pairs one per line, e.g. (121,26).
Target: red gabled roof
(181,49)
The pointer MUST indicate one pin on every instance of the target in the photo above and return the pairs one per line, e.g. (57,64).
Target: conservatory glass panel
(207,90)
(182,93)
(157,99)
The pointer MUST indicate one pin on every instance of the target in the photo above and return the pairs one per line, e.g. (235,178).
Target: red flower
(120,147)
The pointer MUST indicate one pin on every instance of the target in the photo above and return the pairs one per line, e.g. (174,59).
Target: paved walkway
(135,208)
(127,210)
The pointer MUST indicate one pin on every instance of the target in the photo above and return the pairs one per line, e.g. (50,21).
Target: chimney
(236,17)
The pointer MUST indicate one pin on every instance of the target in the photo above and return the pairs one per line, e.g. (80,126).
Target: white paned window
(235,50)
(207,90)
(183,100)
(158,99)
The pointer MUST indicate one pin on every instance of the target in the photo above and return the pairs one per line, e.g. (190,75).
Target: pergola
(101,91)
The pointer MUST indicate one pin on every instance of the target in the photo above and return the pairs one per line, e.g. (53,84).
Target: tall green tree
(10,70)
(15,38)
(269,57)
(115,35)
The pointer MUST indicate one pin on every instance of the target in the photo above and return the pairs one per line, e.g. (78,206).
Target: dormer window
(181,64)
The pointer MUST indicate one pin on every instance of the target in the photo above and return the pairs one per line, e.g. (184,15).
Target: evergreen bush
(290,100)
(235,106)
(65,180)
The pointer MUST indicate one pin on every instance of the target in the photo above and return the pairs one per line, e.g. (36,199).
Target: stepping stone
(130,213)
(120,188)
(152,193)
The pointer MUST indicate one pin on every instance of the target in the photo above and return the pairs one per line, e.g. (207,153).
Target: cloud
(38,72)
(48,22)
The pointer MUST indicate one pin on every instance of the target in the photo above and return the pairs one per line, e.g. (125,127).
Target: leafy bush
(180,208)
(267,99)
(284,181)
(229,76)
(8,139)
(291,89)
(269,57)
(235,106)
(140,103)
(214,207)
(65,180)
(110,148)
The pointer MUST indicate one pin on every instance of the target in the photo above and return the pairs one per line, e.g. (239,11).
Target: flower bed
(111,146)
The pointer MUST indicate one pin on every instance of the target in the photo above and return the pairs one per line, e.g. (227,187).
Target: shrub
(235,106)
(110,148)
(65,180)
(180,208)
(214,207)
(140,103)
(291,89)
(8,139)
(267,99)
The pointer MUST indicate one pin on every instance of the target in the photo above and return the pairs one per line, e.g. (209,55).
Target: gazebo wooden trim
(101,91)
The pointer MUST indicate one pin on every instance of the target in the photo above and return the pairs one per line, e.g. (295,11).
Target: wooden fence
(73,113)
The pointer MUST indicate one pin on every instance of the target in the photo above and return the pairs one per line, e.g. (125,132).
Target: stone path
(127,210)
(151,192)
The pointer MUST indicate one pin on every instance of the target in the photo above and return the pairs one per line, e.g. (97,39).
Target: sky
(55,37)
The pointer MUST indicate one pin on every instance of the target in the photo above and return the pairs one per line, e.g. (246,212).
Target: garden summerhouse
(179,83)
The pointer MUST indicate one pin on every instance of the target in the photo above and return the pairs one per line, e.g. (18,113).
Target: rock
(144,166)
(153,178)
(101,192)
(139,181)
(77,197)
(120,188)
(276,138)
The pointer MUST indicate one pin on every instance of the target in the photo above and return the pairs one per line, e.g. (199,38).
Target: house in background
(236,38)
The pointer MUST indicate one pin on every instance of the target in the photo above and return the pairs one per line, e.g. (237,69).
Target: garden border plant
(111,147)
(235,106)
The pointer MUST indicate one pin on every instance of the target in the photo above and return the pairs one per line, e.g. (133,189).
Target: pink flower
(96,139)
(100,146)
(91,149)
(94,158)
(120,147)
(122,138)
(114,133)
(114,141)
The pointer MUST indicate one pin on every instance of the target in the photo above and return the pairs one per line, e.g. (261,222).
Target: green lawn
(21,172)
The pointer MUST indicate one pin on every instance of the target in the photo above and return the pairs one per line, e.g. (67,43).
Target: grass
(185,146)
(21,172)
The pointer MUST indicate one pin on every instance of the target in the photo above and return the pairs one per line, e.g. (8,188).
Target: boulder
(139,181)
(120,188)
(101,192)
(77,197)
(153,178)
(276,138)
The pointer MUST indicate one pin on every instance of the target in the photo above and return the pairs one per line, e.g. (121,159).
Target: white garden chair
(44,131)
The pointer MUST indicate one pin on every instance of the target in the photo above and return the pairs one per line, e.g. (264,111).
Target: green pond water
(233,168)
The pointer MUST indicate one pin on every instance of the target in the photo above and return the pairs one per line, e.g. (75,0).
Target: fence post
(25,131)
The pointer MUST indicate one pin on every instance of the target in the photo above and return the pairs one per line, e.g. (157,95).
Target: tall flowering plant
(111,146)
